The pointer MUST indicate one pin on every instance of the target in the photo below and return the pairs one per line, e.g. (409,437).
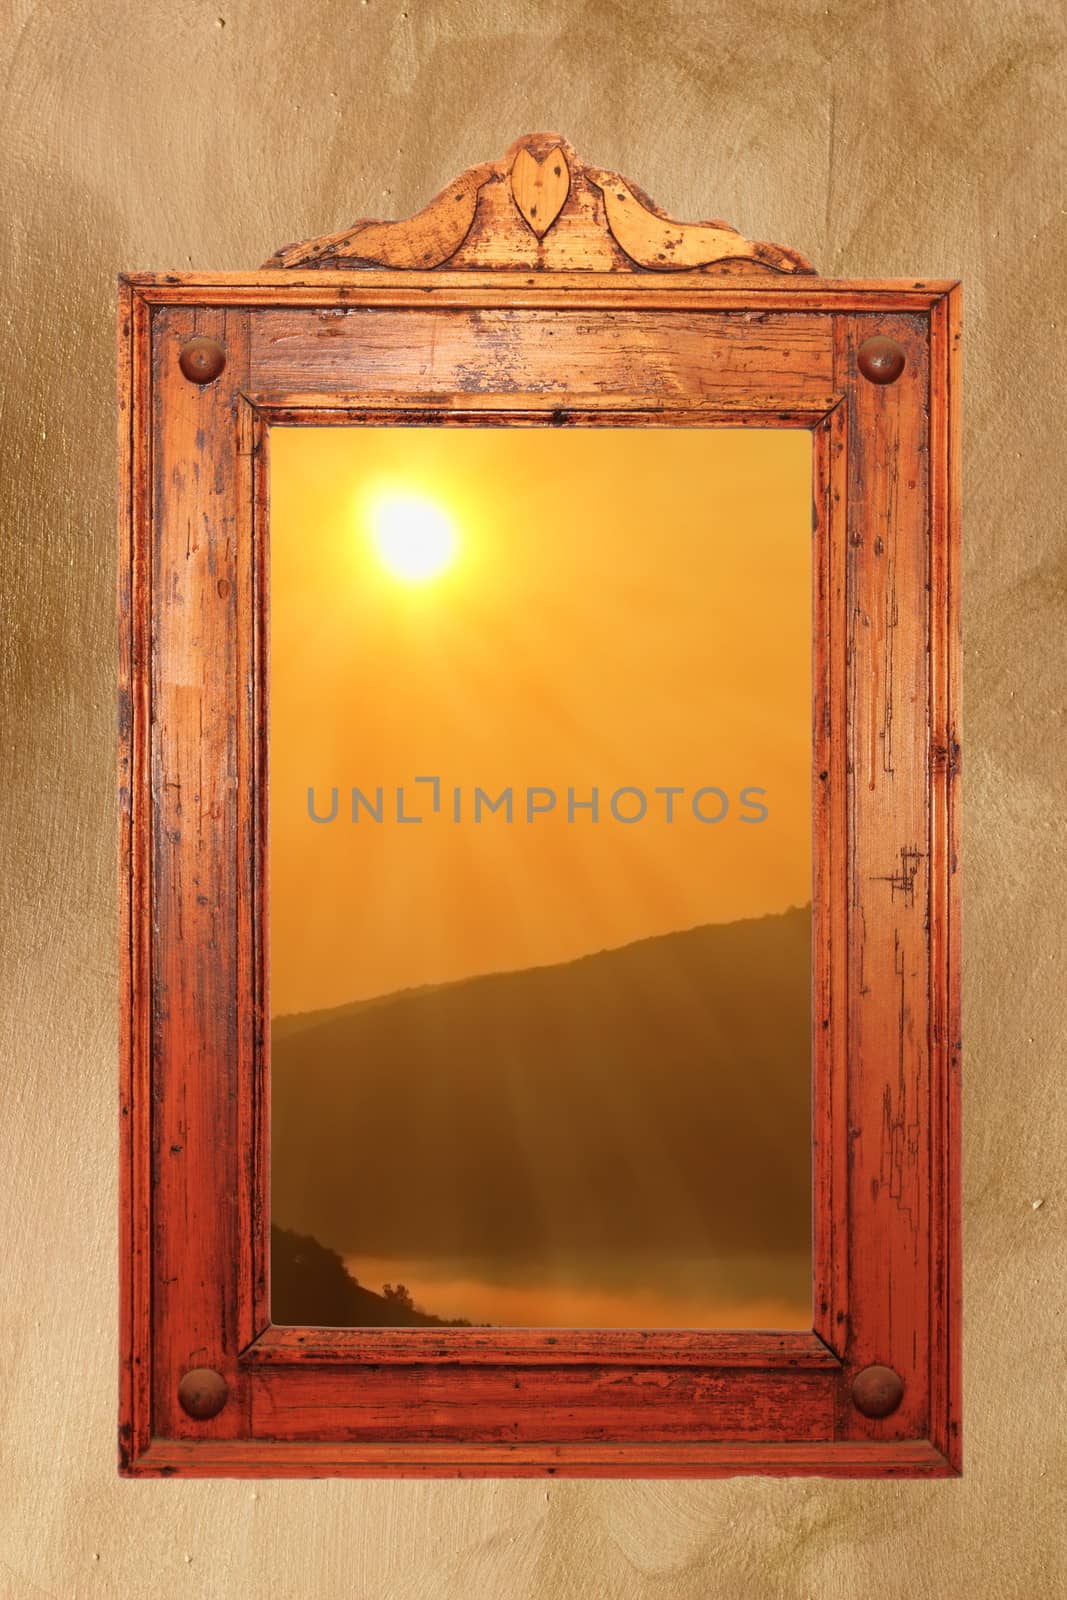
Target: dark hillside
(650,1098)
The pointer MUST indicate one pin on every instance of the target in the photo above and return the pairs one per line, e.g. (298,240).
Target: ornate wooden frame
(543,292)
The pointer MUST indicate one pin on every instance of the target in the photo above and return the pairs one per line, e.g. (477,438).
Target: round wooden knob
(881,360)
(202,1393)
(201,359)
(877,1391)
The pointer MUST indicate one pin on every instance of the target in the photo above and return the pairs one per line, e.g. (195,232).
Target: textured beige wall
(891,138)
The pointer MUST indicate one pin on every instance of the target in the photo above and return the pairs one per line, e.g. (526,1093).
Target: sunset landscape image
(540,876)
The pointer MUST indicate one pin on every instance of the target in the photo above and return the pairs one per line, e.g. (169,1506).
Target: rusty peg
(202,1393)
(877,1391)
(202,359)
(881,360)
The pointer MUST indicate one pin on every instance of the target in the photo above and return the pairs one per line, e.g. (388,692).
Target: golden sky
(618,607)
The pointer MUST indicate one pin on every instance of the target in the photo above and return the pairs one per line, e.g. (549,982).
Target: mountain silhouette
(310,1286)
(646,1101)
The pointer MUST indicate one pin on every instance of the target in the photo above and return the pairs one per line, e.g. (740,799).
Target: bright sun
(414,536)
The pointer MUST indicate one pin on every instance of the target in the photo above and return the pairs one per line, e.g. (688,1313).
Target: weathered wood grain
(135,1083)
(167,1458)
(199,606)
(279,1346)
(498,351)
(830,946)
(541,207)
(945,1044)
(684,291)
(539,186)
(496,1403)
(888,847)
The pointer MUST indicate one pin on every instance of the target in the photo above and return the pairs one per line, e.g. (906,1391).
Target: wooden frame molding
(538,292)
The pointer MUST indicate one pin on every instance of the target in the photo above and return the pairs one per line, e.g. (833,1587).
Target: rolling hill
(649,1099)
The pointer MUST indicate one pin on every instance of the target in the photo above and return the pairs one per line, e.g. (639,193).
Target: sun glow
(414,536)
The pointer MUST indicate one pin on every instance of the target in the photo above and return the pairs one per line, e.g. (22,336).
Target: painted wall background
(881,137)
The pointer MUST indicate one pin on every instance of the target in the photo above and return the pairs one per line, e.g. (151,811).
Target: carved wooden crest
(541,207)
